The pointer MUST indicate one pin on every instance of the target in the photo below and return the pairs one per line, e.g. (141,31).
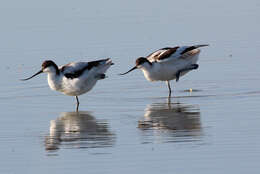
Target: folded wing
(177,52)
(75,70)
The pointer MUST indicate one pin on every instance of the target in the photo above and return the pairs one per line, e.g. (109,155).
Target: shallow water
(127,124)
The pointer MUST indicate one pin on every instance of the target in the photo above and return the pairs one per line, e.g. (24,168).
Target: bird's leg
(169,102)
(77,108)
(169,87)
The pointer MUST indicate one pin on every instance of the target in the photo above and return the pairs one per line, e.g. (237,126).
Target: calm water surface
(126,124)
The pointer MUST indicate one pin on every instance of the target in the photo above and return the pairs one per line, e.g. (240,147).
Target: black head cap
(45,64)
(50,63)
(141,60)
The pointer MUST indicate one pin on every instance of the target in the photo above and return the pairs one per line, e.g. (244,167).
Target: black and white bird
(75,78)
(168,63)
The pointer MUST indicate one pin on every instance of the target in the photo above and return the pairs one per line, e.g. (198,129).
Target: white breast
(54,82)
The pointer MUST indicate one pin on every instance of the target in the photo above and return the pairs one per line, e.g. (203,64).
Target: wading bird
(168,63)
(75,78)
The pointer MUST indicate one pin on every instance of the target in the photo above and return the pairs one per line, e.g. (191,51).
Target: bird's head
(48,66)
(140,63)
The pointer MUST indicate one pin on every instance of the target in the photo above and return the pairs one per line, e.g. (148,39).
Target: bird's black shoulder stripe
(166,48)
(71,75)
(79,72)
(168,53)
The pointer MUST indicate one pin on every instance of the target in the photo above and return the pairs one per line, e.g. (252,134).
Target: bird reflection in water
(78,130)
(171,122)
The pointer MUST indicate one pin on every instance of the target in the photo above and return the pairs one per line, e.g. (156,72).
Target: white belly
(77,87)
(71,87)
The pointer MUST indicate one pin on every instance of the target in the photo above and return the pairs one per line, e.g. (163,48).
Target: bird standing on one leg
(75,78)
(168,63)
(169,87)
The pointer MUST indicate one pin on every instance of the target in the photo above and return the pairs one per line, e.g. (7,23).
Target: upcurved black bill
(33,75)
(128,71)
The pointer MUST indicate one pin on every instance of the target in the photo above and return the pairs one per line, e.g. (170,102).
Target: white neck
(54,81)
(149,70)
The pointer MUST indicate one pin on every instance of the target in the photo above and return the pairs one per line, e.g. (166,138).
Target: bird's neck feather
(150,71)
(54,81)
(149,67)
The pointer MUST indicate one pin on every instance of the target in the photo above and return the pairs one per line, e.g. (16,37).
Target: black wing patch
(166,48)
(79,72)
(71,75)
(193,48)
(167,53)
(188,49)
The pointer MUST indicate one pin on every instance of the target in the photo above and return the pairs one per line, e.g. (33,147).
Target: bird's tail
(191,51)
(202,45)
(104,65)
(109,61)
